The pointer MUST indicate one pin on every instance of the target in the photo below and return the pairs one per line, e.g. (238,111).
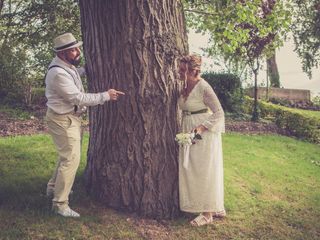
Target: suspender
(63,69)
(52,66)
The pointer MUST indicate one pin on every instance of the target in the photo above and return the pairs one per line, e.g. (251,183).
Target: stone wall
(291,95)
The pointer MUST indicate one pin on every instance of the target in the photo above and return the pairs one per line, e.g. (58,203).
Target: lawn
(309,113)
(315,114)
(271,192)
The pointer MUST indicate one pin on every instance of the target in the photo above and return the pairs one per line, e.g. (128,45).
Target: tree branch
(1,5)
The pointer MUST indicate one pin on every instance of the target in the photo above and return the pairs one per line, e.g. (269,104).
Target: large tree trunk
(273,72)
(132,158)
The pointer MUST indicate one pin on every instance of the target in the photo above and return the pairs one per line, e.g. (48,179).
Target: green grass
(271,192)
(309,113)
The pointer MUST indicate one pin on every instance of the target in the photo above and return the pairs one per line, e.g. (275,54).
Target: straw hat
(65,41)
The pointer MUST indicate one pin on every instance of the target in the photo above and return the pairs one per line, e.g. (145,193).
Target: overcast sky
(291,75)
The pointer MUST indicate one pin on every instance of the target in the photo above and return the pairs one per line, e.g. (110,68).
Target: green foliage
(15,113)
(27,29)
(298,123)
(316,100)
(12,70)
(306,33)
(240,29)
(279,101)
(228,89)
(38,96)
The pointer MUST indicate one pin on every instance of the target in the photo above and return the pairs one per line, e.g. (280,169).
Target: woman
(201,179)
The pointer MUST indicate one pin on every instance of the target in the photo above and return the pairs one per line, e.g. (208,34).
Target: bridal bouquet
(187,138)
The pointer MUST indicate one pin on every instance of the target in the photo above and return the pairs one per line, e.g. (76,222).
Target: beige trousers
(66,133)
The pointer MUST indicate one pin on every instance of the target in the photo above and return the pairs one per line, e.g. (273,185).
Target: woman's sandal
(220,214)
(201,220)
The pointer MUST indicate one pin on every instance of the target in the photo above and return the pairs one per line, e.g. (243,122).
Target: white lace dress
(201,170)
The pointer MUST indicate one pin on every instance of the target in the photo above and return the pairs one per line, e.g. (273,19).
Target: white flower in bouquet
(184,138)
(187,138)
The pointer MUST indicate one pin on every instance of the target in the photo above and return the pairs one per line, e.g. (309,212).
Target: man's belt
(77,114)
(195,112)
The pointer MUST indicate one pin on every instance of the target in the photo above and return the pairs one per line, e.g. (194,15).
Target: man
(66,102)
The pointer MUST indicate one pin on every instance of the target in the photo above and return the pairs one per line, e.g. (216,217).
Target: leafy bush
(38,96)
(16,112)
(297,123)
(228,89)
(279,101)
(17,97)
(316,100)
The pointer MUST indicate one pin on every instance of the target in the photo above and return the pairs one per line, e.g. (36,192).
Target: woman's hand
(200,129)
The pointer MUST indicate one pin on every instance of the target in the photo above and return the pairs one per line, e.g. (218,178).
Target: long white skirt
(201,175)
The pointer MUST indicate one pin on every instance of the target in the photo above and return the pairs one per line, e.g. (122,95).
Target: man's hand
(114,94)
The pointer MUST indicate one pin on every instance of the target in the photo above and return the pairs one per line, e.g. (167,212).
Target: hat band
(67,45)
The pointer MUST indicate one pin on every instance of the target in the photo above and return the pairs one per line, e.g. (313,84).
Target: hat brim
(78,44)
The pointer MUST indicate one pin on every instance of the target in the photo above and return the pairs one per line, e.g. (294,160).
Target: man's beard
(75,62)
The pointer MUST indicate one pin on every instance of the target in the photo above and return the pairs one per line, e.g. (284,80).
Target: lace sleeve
(215,122)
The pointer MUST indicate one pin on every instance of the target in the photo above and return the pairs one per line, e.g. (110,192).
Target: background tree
(272,71)
(241,30)
(26,32)
(306,33)
(132,158)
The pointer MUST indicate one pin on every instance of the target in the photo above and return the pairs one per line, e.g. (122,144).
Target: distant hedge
(228,89)
(293,121)
(16,97)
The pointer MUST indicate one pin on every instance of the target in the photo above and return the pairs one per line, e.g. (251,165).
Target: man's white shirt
(64,89)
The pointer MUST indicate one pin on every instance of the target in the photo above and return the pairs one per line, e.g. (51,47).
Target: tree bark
(255,65)
(273,72)
(132,158)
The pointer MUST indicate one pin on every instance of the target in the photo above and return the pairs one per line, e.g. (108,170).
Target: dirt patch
(12,127)
(151,229)
(248,127)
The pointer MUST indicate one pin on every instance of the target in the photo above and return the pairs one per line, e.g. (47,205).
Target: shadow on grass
(23,195)
(24,174)
(30,195)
